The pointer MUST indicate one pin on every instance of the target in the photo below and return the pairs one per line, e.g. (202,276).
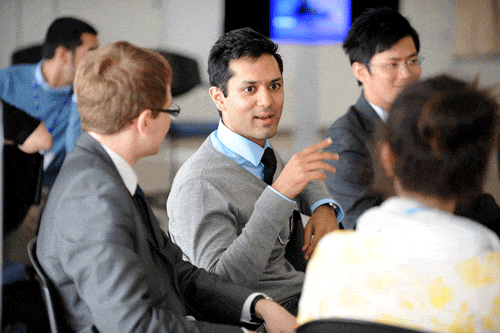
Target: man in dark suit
(384,53)
(99,242)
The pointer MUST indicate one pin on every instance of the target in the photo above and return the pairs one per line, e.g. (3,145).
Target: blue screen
(309,21)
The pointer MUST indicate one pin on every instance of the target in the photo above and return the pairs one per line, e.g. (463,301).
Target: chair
(350,326)
(50,294)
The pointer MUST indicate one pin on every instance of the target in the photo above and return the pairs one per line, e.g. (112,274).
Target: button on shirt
(248,154)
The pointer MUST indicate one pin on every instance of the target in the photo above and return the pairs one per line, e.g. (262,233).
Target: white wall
(318,80)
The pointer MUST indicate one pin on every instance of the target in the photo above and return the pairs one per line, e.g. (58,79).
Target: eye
(249,89)
(392,65)
(412,61)
(275,86)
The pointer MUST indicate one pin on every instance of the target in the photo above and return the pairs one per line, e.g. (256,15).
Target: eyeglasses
(394,66)
(173,110)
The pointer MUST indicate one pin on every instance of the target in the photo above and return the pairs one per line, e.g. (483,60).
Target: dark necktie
(269,161)
(140,198)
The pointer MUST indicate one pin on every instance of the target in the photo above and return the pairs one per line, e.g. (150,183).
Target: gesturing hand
(303,167)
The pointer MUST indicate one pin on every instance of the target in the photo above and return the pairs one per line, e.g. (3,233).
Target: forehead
(404,48)
(264,68)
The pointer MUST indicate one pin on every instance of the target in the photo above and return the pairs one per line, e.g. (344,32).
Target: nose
(405,70)
(265,98)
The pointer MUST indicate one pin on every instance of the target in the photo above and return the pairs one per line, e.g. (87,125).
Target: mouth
(265,119)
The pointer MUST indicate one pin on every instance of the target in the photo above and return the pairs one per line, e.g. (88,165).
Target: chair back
(339,325)
(50,294)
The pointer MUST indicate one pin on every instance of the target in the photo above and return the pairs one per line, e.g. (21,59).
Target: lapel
(368,118)
(90,145)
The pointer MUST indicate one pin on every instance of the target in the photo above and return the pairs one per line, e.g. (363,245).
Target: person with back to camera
(412,262)
(383,50)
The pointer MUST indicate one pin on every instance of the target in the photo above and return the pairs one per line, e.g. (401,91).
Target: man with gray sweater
(232,206)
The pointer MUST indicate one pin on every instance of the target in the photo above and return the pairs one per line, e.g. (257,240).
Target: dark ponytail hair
(441,132)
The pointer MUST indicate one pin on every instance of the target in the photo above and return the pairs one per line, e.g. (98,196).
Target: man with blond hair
(99,242)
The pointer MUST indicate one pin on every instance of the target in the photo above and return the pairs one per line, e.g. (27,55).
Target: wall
(318,81)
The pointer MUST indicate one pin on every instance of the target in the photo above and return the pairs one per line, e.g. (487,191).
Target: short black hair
(244,42)
(442,131)
(65,31)
(376,30)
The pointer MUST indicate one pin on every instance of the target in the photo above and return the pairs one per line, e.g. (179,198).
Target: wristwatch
(335,207)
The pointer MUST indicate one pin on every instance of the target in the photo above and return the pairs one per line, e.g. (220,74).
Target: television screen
(309,21)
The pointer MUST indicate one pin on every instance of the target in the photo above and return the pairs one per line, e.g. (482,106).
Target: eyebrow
(398,58)
(254,82)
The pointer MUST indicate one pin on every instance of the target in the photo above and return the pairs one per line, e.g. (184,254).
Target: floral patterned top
(407,265)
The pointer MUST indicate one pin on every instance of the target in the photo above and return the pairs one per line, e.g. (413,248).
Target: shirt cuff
(246,316)
(338,210)
(272,188)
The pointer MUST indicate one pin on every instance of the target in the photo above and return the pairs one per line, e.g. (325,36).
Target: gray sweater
(231,223)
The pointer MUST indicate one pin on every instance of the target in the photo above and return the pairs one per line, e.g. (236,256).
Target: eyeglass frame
(173,110)
(419,60)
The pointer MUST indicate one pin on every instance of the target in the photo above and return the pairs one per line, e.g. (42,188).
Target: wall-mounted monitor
(309,21)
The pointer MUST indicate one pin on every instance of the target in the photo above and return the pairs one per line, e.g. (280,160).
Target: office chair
(50,294)
(339,325)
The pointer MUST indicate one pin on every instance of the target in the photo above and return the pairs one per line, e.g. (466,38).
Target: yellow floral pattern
(358,277)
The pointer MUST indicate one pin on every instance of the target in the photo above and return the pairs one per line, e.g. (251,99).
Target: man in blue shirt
(227,211)
(45,91)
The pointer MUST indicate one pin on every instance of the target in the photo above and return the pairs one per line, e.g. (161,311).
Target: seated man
(383,51)
(411,261)
(231,207)
(100,243)
(45,91)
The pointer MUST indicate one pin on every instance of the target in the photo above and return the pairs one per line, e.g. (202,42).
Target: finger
(322,155)
(309,252)
(317,146)
(307,236)
(319,166)
(311,248)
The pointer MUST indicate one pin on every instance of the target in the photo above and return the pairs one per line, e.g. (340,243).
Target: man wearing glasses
(384,53)
(99,243)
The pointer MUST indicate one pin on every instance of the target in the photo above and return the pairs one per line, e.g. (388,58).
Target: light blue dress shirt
(248,154)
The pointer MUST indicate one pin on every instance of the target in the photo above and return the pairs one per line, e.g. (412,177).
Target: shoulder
(20,72)
(206,164)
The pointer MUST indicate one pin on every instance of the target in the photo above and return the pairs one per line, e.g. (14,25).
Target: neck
(53,73)
(121,143)
(448,205)
(384,106)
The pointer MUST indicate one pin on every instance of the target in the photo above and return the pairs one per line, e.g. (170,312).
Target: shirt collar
(40,80)
(126,172)
(240,145)
(381,113)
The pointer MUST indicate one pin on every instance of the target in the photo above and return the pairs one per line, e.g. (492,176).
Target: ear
(62,53)
(360,71)
(218,97)
(387,159)
(142,122)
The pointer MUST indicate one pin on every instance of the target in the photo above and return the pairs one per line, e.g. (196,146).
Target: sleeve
(202,223)
(74,126)
(351,182)
(18,125)
(103,261)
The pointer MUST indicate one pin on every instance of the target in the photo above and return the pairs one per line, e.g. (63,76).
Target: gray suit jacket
(111,275)
(353,139)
